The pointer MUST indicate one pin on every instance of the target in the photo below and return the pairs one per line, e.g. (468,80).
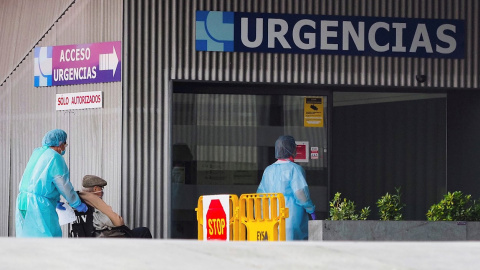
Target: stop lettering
(216,221)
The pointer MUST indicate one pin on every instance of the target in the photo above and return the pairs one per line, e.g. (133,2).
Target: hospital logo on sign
(214,31)
(43,66)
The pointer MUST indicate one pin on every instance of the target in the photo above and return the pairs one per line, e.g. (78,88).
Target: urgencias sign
(338,35)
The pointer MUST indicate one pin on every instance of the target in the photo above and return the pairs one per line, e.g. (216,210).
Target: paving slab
(68,253)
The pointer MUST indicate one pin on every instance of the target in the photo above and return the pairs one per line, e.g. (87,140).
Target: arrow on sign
(108,61)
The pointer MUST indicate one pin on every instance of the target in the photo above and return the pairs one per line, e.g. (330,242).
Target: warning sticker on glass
(313,112)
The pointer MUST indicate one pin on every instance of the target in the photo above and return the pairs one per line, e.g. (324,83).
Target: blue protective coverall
(46,177)
(288,178)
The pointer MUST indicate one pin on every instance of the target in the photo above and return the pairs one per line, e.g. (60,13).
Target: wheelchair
(83,227)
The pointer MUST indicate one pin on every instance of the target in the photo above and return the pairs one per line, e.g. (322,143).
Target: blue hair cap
(54,137)
(285,147)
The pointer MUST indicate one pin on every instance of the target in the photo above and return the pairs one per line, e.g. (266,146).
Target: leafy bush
(345,209)
(455,206)
(390,206)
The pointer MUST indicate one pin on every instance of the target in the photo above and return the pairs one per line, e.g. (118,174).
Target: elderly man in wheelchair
(100,220)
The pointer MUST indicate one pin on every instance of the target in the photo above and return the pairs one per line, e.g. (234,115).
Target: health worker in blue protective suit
(288,178)
(46,177)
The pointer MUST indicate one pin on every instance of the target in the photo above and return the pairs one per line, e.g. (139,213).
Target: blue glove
(313,216)
(82,208)
(60,206)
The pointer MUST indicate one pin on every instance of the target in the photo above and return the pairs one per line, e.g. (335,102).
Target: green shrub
(455,206)
(390,206)
(345,209)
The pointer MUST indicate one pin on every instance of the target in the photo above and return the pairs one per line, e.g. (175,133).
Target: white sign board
(66,216)
(216,217)
(81,100)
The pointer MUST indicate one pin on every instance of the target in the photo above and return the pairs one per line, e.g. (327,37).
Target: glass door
(223,142)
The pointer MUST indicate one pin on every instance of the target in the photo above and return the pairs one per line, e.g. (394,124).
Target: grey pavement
(96,253)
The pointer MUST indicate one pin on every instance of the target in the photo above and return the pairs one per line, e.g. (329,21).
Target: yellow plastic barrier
(262,217)
(233,217)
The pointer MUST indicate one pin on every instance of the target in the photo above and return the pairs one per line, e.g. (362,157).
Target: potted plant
(345,209)
(390,206)
(455,206)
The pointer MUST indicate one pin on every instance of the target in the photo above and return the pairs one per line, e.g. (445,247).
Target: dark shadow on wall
(377,147)
(464,143)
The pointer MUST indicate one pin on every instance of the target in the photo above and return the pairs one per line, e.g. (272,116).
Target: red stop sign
(216,221)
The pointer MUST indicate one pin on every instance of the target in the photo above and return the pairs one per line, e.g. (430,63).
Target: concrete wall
(374,230)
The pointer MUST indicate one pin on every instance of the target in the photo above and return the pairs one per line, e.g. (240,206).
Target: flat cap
(92,180)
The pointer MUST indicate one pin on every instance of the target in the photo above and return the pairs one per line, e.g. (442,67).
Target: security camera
(421,78)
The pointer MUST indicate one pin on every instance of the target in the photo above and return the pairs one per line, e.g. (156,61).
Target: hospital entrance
(223,139)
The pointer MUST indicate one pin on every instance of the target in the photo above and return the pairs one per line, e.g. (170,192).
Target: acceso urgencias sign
(78,64)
